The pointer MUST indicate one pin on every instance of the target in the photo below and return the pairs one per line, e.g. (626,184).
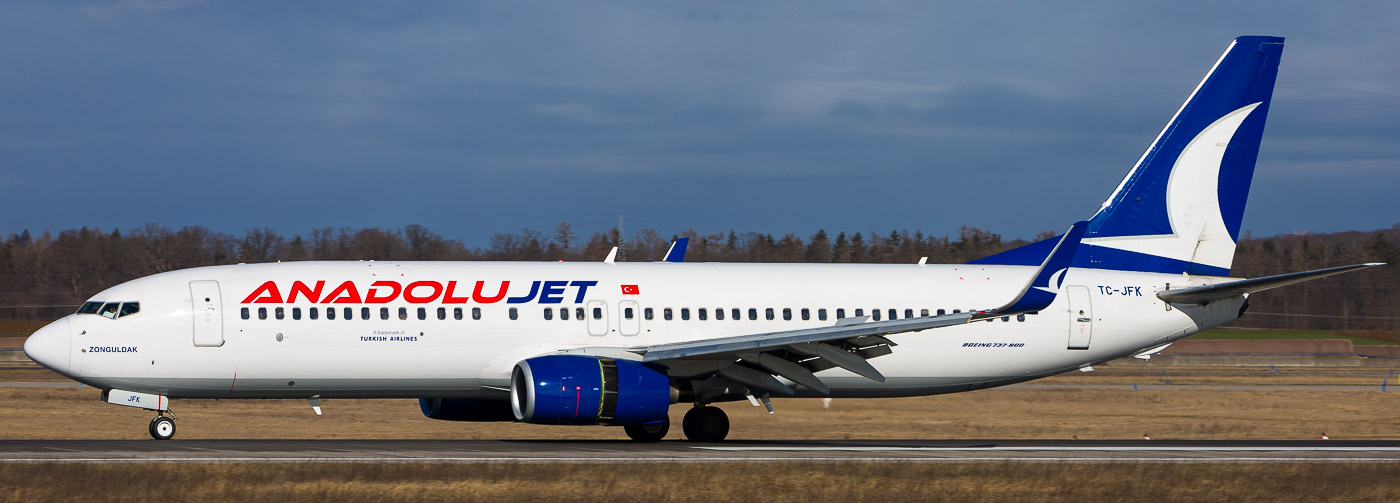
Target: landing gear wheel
(653,432)
(162,428)
(705,424)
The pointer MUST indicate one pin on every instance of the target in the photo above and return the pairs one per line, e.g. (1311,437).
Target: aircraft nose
(49,346)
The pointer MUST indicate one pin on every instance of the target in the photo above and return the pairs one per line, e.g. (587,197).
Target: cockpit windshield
(111,310)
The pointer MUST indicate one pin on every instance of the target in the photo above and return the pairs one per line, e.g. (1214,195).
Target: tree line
(47,276)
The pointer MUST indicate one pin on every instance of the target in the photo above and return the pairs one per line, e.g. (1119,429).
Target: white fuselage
(181,346)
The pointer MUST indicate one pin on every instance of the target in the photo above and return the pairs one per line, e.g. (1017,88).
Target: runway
(538,451)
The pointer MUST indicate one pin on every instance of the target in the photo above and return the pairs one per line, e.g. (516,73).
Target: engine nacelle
(466,409)
(574,389)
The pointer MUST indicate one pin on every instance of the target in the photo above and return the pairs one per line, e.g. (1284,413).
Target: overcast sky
(473,118)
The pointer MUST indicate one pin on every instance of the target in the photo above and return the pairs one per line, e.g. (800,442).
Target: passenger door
(207,309)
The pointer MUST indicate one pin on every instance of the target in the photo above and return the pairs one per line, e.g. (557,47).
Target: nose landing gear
(162,427)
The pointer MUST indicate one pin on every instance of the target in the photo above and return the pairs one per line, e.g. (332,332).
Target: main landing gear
(162,427)
(649,433)
(702,423)
(705,424)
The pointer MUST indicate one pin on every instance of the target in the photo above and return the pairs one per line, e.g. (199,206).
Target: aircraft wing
(753,360)
(1205,294)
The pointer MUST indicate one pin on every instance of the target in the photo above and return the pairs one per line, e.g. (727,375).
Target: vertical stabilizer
(1180,207)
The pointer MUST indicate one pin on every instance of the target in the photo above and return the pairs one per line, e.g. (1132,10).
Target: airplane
(618,343)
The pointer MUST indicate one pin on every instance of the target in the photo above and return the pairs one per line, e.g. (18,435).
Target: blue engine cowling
(466,409)
(573,389)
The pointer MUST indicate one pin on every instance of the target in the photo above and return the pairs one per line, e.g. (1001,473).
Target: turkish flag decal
(630,290)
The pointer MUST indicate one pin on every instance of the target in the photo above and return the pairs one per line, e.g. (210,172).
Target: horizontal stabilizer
(1204,294)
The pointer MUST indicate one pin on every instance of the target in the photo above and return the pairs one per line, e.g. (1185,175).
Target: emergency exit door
(597,313)
(629,317)
(1081,317)
(208,313)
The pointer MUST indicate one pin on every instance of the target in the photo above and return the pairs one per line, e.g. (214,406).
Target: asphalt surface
(538,451)
(1037,386)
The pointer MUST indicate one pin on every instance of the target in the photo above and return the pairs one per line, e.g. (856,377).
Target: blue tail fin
(1179,209)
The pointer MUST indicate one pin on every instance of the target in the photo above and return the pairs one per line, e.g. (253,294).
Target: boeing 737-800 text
(619,343)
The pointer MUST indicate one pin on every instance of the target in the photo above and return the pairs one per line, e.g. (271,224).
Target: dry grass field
(1005,413)
(708,482)
(1009,413)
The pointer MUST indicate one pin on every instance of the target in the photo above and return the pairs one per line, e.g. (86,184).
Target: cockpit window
(110,310)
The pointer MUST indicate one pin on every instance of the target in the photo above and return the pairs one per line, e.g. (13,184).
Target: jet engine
(466,409)
(574,389)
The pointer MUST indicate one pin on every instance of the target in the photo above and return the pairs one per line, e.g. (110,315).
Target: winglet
(612,256)
(677,251)
(1038,292)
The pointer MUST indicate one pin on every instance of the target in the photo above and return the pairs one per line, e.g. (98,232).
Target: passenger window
(457,313)
(942,312)
(719,313)
(262,313)
(734,313)
(364,313)
(350,314)
(578,313)
(908,313)
(129,308)
(787,314)
(563,313)
(874,314)
(313,313)
(296,313)
(821,314)
(923,312)
(280,313)
(442,313)
(403,313)
(422,313)
(384,313)
(330,313)
(1021,317)
(476,313)
(244,313)
(704,314)
(860,312)
(894,314)
(1005,319)
(548,313)
(109,310)
(768,313)
(753,314)
(666,314)
(514,313)
(627,313)
(806,314)
(956,311)
(647,313)
(90,308)
(840,313)
(685,313)
(597,313)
